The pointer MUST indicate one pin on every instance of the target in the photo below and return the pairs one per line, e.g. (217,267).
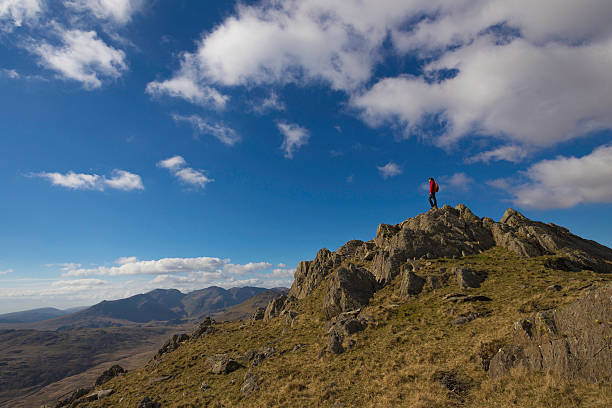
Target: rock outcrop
(412,284)
(274,308)
(348,288)
(109,374)
(221,364)
(573,342)
(445,232)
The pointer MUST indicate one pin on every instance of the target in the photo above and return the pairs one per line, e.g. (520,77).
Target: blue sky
(184,144)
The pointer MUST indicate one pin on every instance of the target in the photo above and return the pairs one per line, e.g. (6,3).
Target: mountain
(159,305)
(36,315)
(443,309)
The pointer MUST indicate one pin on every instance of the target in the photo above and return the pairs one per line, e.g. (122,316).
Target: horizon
(172,145)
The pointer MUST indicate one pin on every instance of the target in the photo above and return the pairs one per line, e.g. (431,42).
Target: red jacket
(432,187)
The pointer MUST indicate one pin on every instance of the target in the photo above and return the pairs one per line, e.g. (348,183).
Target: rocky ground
(444,309)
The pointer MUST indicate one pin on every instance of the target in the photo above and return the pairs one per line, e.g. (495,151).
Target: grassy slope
(394,361)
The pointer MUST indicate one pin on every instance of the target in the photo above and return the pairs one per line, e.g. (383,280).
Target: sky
(182,144)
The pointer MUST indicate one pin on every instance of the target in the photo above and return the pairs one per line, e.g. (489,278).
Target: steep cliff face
(452,233)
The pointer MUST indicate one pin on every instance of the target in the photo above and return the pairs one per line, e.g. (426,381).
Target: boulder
(412,284)
(349,288)
(75,396)
(258,314)
(468,278)
(206,327)
(437,281)
(172,344)
(221,364)
(109,374)
(251,383)
(334,343)
(571,342)
(274,308)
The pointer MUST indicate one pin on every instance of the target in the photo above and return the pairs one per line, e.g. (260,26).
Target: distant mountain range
(37,315)
(159,305)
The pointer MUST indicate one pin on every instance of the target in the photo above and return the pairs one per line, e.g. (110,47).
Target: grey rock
(348,288)
(468,278)
(412,284)
(75,396)
(310,274)
(437,281)
(221,364)
(274,308)
(465,319)
(109,374)
(205,328)
(204,386)
(258,314)
(571,342)
(171,344)
(251,383)
(334,344)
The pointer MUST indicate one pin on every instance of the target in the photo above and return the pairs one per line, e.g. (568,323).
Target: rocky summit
(445,309)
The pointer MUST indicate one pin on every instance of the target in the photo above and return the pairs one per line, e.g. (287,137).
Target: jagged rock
(290,316)
(468,278)
(257,356)
(334,343)
(206,327)
(172,344)
(274,308)
(258,314)
(310,274)
(349,288)
(572,342)
(221,364)
(251,383)
(437,281)
(98,395)
(109,374)
(532,238)
(75,396)
(412,284)
(147,402)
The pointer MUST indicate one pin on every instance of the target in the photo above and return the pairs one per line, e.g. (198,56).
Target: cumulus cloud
(187,88)
(13,13)
(511,153)
(565,182)
(520,92)
(389,170)
(119,180)
(82,57)
(187,175)
(118,11)
(294,137)
(272,102)
(122,260)
(224,134)
(458,181)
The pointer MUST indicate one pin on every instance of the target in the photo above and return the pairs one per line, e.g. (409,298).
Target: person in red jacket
(433,189)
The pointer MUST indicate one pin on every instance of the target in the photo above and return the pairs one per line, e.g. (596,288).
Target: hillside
(443,310)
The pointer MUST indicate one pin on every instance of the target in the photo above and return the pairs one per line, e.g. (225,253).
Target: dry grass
(408,358)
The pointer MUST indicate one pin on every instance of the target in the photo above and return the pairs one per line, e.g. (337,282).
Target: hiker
(433,189)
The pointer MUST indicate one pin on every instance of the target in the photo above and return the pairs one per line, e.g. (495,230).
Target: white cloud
(82,57)
(80,282)
(565,182)
(458,181)
(124,260)
(389,170)
(250,267)
(124,180)
(185,87)
(187,175)
(294,137)
(6,271)
(10,73)
(269,103)
(223,133)
(520,92)
(119,180)
(119,11)
(16,12)
(173,163)
(511,153)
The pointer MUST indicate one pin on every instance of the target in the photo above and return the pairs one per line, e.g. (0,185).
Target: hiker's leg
(431,200)
(435,201)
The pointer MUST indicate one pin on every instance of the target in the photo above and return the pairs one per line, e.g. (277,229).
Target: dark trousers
(432,200)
